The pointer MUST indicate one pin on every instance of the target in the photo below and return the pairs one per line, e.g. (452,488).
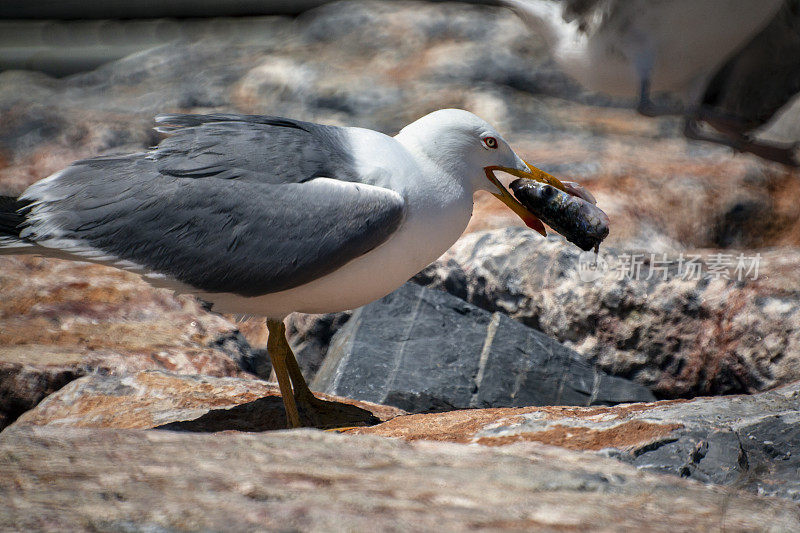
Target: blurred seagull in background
(266,216)
(753,87)
(718,57)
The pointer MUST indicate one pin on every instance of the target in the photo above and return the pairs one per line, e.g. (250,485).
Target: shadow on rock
(267,414)
(160,400)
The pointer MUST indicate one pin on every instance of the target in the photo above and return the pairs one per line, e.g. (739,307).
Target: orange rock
(577,428)
(747,441)
(60,320)
(156,399)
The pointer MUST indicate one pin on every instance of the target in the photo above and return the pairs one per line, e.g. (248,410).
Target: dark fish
(579,221)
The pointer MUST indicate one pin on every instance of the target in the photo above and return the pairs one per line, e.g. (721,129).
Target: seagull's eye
(490,142)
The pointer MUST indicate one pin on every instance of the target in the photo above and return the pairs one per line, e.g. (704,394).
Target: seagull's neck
(401,163)
(442,170)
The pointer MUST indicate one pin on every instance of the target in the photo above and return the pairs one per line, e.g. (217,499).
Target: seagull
(753,87)
(265,216)
(636,48)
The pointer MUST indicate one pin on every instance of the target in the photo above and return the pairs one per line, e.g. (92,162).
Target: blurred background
(694,293)
(80,79)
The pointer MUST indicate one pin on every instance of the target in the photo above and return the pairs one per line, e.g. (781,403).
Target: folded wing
(223,205)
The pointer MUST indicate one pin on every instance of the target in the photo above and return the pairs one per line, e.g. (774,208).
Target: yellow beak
(531,220)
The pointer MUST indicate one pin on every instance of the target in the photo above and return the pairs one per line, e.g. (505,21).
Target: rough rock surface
(749,442)
(382,65)
(112,480)
(157,399)
(424,350)
(310,336)
(60,320)
(331,64)
(678,335)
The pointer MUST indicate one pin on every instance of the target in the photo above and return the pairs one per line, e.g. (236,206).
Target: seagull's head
(469,148)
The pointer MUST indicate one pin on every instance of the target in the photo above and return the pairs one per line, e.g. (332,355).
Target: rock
(79,479)
(60,320)
(679,336)
(750,442)
(23,384)
(424,350)
(161,400)
(331,65)
(49,123)
(310,336)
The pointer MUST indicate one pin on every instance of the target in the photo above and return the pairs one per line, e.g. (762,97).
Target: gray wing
(251,148)
(247,233)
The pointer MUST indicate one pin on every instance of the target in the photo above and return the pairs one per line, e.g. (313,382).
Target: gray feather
(222,206)
(252,148)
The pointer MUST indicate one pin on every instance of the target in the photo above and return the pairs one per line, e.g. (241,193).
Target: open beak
(533,173)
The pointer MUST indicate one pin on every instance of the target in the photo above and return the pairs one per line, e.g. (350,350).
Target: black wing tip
(12,215)
(169,122)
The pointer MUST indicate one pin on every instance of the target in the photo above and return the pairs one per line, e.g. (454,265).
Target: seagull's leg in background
(648,108)
(645,106)
(786,154)
(642,58)
(279,353)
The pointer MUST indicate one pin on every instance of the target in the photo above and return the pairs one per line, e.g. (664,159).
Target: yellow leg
(297,397)
(301,391)
(280,353)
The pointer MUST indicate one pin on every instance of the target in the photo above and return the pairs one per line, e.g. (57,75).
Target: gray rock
(751,442)
(680,336)
(251,360)
(747,442)
(425,350)
(62,48)
(310,336)
(68,479)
